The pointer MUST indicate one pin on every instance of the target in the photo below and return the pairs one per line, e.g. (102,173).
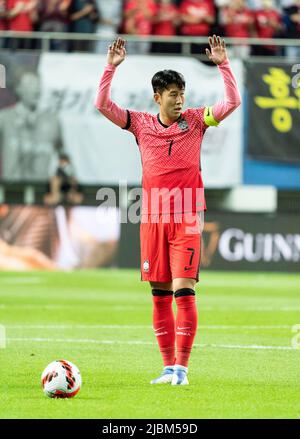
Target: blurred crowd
(230,18)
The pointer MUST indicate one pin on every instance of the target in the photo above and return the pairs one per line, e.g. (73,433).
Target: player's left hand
(217,52)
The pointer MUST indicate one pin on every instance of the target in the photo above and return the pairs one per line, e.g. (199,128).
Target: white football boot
(180,376)
(165,377)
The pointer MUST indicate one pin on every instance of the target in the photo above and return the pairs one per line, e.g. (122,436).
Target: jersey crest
(183,125)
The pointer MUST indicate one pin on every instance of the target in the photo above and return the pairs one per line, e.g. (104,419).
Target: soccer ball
(61,379)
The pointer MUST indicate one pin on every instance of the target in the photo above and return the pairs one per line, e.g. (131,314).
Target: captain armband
(209,118)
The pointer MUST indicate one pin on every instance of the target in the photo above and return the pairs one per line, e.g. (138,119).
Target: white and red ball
(61,379)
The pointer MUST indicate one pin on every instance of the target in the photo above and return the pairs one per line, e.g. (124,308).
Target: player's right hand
(217,53)
(116,52)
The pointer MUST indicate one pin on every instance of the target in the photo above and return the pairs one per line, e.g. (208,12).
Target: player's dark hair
(64,156)
(161,80)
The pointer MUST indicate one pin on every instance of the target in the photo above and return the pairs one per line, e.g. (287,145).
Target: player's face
(171,101)
(29,90)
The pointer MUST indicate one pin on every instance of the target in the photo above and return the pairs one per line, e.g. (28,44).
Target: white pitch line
(13,306)
(233,283)
(21,280)
(247,327)
(129,307)
(250,283)
(224,346)
(250,309)
(78,326)
(142,342)
(80,340)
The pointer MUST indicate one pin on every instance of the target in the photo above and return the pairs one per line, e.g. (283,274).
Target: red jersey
(237,22)
(3,22)
(262,18)
(170,155)
(22,21)
(165,26)
(201,10)
(143,24)
(170,159)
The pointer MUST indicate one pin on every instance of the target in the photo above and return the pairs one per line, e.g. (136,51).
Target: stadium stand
(193,18)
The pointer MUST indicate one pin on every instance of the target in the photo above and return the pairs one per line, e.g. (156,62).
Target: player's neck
(165,120)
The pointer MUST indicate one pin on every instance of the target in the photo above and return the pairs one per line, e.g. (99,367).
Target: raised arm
(115,56)
(232,98)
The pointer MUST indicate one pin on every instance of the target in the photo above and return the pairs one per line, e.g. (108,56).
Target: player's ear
(157,98)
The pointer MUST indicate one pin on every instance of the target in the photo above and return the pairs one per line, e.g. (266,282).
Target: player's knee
(188,283)
(166,286)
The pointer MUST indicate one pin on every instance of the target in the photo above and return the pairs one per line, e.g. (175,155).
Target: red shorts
(170,246)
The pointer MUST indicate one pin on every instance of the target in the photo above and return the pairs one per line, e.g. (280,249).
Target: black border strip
(128,124)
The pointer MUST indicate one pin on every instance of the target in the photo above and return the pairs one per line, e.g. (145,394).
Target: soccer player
(171,226)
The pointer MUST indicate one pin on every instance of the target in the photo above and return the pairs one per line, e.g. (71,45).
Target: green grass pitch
(243,364)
